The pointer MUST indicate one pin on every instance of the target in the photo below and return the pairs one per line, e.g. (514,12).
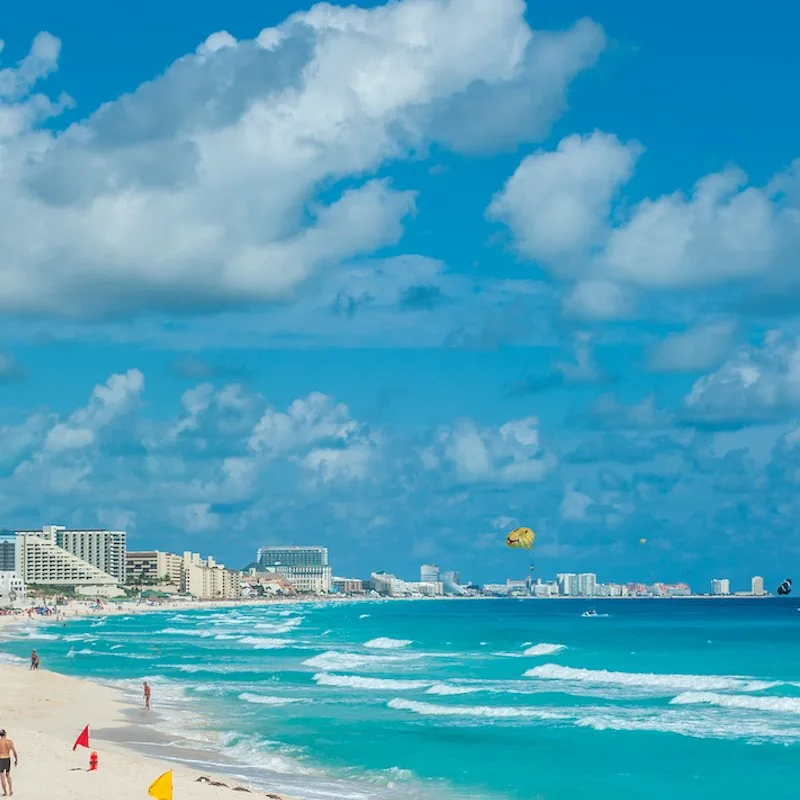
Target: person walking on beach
(7,749)
(146,696)
(34,660)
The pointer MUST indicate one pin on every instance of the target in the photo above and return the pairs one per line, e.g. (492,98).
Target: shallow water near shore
(505,700)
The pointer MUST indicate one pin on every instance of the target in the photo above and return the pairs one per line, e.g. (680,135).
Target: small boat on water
(590,613)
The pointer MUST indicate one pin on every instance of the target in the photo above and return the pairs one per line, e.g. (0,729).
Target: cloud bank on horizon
(404,178)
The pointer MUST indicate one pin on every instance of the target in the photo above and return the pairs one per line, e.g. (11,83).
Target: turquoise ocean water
(494,699)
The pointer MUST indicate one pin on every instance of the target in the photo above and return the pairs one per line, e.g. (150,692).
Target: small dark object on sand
(204,779)
(240,789)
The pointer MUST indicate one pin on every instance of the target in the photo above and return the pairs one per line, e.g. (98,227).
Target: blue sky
(395,278)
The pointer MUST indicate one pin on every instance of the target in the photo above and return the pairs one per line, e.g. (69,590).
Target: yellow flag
(161,788)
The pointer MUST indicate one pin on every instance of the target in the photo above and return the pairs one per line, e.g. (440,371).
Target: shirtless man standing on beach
(6,750)
(146,696)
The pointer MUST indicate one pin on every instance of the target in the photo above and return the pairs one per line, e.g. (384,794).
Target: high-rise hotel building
(306,568)
(55,555)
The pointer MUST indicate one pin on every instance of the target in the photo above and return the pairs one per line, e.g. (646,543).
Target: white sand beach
(44,712)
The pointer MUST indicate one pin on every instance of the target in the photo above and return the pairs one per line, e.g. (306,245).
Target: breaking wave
(359,682)
(387,643)
(544,649)
(203,634)
(335,660)
(649,680)
(269,700)
(265,643)
(445,689)
(487,712)
(781,705)
(85,652)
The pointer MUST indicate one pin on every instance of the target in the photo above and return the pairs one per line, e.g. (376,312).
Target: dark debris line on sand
(204,779)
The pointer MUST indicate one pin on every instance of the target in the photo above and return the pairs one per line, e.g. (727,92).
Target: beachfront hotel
(188,574)
(154,566)
(12,587)
(293,556)
(306,568)
(92,560)
(99,548)
(720,587)
(390,585)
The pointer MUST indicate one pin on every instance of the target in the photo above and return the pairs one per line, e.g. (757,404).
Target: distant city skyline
(284,556)
(97,561)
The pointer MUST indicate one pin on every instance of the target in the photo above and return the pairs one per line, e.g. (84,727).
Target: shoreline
(139,746)
(44,712)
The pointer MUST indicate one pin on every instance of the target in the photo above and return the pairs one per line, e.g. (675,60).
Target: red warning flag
(83,739)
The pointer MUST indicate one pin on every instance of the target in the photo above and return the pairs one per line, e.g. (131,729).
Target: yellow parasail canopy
(161,788)
(521,537)
(642,541)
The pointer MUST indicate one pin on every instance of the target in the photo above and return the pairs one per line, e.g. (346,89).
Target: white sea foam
(335,660)
(85,652)
(363,616)
(544,649)
(387,643)
(265,642)
(359,682)
(7,658)
(201,632)
(648,680)
(487,712)
(450,689)
(269,700)
(287,626)
(602,718)
(252,750)
(781,705)
(698,727)
(116,646)
(80,637)
(220,669)
(50,637)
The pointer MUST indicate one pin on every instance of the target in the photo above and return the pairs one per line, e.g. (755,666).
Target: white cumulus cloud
(200,188)
(565,211)
(557,203)
(512,453)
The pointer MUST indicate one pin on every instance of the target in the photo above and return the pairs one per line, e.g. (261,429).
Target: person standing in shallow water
(146,696)
(34,660)
(7,749)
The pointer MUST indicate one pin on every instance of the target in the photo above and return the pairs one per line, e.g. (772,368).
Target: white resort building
(204,579)
(306,568)
(56,556)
